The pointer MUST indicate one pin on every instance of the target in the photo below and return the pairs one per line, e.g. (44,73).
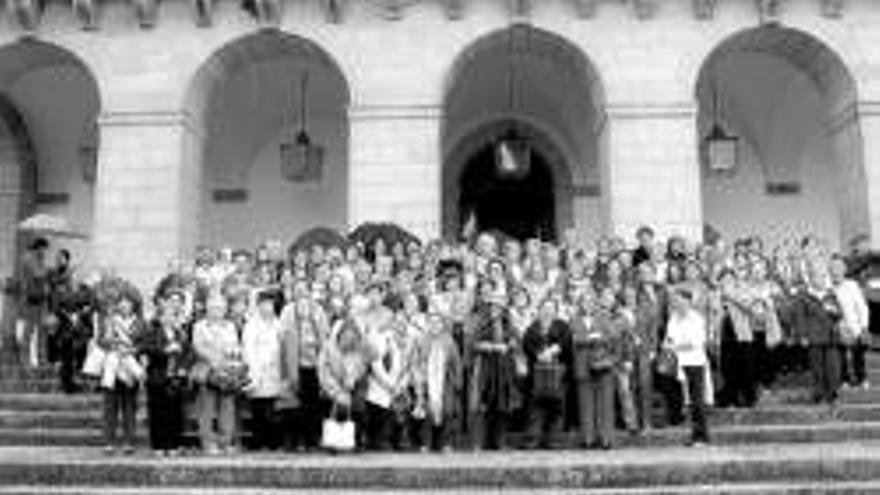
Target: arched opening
(250,98)
(790,101)
(532,88)
(49,103)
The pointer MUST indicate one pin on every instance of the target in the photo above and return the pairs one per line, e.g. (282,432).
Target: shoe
(128,450)
(109,450)
(865,385)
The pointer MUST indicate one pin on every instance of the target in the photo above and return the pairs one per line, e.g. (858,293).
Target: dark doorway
(522,207)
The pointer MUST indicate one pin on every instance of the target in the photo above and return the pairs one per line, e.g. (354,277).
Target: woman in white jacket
(686,337)
(853,324)
(261,351)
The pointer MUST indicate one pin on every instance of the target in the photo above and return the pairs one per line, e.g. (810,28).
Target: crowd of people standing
(473,344)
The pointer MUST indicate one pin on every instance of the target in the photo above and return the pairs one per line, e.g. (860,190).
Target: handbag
(95,357)
(337,435)
(666,362)
(548,379)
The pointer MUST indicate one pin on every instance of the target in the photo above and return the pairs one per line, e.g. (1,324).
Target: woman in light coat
(261,351)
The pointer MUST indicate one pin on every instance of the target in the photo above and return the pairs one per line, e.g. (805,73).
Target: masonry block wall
(397,72)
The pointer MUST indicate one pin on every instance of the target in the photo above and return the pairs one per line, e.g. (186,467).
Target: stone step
(855,464)
(770,488)
(722,435)
(76,418)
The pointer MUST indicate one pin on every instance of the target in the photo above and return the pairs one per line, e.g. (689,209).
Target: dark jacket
(536,341)
(596,348)
(815,318)
(163,367)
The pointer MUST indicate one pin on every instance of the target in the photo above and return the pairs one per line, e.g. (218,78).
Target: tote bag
(337,435)
(94,363)
(548,380)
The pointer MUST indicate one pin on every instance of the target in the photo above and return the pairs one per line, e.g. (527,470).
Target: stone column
(652,176)
(869,117)
(144,195)
(395,167)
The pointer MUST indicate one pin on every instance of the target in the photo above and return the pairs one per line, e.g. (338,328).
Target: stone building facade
(181,105)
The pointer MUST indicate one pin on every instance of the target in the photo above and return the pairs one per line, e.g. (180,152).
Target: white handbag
(337,435)
(94,363)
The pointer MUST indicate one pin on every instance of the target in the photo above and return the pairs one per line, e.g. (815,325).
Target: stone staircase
(784,445)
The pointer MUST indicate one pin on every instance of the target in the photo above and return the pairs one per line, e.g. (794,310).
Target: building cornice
(148,118)
(28,13)
(394,112)
(661,111)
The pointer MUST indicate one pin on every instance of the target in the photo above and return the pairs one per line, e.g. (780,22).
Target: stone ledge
(486,470)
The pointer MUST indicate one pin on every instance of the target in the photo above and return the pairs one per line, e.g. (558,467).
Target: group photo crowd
(380,342)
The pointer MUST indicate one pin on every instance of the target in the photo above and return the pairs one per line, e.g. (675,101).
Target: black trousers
(165,416)
(263,432)
(546,415)
(437,435)
(120,403)
(825,368)
(489,429)
(852,363)
(874,318)
(696,385)
(72,354)
(738,369)
(380,427)
(312,408)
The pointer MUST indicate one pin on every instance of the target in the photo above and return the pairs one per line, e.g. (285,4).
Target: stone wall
(397,72)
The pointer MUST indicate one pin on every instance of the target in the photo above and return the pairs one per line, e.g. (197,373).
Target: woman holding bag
(342,368)
(121,372)
(595,357)
(547,345)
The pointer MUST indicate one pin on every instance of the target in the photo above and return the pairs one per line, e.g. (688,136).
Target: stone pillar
(653,175)
(869,117)
(395,167)
(143,194)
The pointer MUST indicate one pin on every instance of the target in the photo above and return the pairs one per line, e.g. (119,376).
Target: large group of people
(487,344)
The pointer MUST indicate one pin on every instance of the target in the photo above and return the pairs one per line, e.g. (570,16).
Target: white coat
(261,351)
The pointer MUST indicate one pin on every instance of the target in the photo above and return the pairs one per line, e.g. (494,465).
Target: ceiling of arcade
(249,108)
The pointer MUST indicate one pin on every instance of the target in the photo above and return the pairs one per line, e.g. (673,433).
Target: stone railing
(28,13)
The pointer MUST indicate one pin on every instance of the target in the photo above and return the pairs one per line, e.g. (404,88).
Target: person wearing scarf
(216,346)
(122,372)
(492,391)
(164,344)
(386,379)
(304,329)
(438,382)
(595,356)
(819,315)
(342,370)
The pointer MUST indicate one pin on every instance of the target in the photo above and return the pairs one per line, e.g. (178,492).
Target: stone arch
(49,104)
(264,65)
(791,99)
(482,136)
(558,102)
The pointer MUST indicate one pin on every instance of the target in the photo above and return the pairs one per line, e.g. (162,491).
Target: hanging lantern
(513,156)
(302,160)
(88,157)
(721,148)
